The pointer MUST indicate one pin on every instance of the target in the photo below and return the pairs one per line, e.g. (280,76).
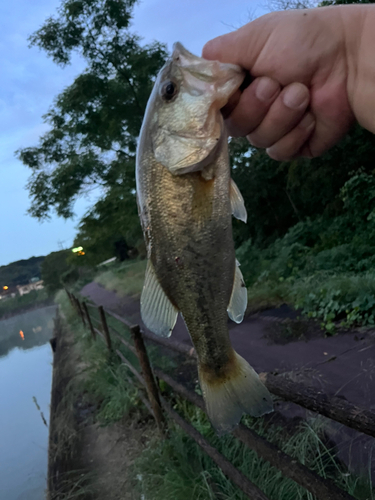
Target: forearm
(359,23)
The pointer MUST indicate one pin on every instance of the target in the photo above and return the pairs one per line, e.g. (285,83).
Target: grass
(106,379)
(125,279)
(267,295)
(74,485)
(176,468)
(68,482)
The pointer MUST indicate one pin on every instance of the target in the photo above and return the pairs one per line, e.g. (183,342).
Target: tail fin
(238,391)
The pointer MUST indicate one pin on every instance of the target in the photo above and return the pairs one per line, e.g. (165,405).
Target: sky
(30,81)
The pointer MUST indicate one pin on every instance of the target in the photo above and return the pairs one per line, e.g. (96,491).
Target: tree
(96,120)
(53,267)
(20,272)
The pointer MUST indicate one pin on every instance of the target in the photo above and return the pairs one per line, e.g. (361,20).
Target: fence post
(105,328)
(80,312)
(69,296)
(89,320)
(152,390)
(75,304)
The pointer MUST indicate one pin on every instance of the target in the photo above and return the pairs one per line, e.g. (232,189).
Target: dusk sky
(30,81)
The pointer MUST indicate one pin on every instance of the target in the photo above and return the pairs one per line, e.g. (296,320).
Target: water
(25,384)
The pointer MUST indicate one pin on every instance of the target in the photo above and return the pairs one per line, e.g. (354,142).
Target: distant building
(33,285)
(7,292)
(106,262)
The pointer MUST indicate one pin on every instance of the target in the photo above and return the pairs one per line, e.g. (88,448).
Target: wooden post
(74,303)
(151,387)
(69,296)
(80,311)
(105,328)
(89,320)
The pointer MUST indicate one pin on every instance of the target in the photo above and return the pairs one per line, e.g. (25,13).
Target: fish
(186,199)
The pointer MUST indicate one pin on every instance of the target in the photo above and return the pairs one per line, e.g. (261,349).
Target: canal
(25,389)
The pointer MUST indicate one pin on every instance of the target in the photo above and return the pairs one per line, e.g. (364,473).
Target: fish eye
(169,90)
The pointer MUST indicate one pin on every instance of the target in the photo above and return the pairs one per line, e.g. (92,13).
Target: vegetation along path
(277,341)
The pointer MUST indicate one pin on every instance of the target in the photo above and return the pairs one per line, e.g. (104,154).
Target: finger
(335,118)
(242,46)
(252,106)
(291,145)
(285,113)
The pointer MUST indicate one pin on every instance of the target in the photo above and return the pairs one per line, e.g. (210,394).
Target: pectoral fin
(238,300)
(237,203)
(158,313)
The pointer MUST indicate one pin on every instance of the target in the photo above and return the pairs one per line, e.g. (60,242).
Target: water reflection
(36,327)
(25,386)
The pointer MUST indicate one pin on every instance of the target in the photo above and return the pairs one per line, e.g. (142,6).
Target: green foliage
(324,267)
(107,383)
(53,268)
(110,229)
(94,123)
(126,279)
(176,468)
(20,272)
(279,195)
(350,298)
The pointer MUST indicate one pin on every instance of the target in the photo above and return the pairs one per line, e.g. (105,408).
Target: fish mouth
(225,77)
(203,68)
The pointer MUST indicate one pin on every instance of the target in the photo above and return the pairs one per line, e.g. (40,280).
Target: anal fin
(157,312)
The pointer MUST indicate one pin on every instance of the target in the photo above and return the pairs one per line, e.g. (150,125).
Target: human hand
(303,62)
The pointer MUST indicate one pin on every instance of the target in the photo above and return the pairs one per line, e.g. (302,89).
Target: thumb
(242,46)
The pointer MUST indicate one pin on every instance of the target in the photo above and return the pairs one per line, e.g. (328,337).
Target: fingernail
(266,88)
(295,96)
(271,154)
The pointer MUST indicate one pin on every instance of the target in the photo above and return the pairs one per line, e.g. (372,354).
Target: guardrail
(337,409)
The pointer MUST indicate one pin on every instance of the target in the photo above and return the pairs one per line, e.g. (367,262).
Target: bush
(324,267)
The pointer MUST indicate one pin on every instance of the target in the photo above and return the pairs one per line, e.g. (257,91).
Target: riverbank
(87,460)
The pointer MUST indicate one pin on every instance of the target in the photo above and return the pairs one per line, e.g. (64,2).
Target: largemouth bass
(186,199)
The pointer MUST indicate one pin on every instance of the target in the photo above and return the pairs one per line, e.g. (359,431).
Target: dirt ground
(277,341)
(108,452)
